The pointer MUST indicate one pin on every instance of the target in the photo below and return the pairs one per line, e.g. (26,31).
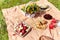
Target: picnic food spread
(32,9)
(43,22)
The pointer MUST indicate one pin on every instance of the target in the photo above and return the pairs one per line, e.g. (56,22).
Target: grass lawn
(11,3)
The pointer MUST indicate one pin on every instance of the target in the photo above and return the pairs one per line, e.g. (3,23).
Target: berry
(51,26)
(53,20)
(53,23)
(24,27)
(23,32)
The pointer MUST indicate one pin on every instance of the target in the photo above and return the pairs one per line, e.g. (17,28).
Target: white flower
(20,33)
(28,29)
(20,27)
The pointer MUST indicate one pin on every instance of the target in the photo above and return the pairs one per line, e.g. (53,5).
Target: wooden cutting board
(14,15)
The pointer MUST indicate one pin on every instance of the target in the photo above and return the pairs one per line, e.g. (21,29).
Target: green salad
(31,8)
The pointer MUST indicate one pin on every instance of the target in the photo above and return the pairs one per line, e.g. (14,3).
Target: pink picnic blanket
(14,15)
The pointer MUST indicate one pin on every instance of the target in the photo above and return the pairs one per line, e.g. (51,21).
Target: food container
(31,9)
(22,29)
(44,7)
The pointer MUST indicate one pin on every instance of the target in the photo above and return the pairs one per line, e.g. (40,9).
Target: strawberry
(24,27)
(53,20)
(23,32)
(51,26)
(53,23)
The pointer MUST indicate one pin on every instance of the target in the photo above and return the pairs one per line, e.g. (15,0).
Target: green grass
(11,3)
(56,3)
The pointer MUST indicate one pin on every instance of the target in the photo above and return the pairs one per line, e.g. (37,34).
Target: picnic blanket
(14,15)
